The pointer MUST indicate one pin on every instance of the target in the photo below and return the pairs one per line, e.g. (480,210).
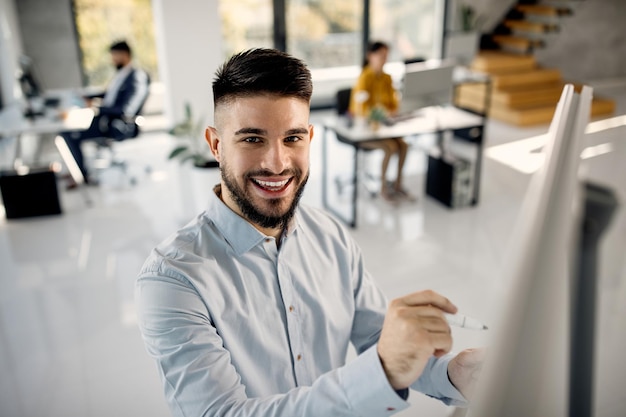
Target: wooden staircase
(520,91)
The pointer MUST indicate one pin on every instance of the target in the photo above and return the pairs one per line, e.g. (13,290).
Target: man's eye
(292,139)
(252,139)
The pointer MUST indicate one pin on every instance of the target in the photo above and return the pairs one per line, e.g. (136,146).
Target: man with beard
(249,310)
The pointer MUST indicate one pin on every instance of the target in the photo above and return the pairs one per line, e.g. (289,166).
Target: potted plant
(191,147)
(377,116)
(462,41)
(470,22)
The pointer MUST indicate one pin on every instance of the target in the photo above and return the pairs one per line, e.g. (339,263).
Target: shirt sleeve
(435,383)
(360,86)
(370,309)
(129,100)
(199,378)
(140,92)
(392,101)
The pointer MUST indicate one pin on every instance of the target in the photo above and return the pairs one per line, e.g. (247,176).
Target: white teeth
(272,184)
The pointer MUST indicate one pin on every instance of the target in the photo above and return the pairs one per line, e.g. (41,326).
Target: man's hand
(414,330)
(464,369)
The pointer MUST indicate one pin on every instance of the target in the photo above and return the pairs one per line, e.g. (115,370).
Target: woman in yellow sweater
(374,88)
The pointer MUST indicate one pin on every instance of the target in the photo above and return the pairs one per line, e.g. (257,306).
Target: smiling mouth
(274,186)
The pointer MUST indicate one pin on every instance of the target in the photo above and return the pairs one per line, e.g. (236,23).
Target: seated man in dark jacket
(122,100)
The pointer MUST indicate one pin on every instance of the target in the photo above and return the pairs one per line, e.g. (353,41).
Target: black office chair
(121,130)
(369,181)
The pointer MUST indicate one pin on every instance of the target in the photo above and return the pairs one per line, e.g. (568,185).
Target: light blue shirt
(240,328)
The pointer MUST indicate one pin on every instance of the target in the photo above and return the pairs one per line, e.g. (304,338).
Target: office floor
(69,345)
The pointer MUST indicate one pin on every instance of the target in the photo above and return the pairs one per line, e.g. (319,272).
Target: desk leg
(325,177)
(71,165)
(478,167)
(355,187)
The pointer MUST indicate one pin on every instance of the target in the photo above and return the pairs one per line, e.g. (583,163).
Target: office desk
(429,120)
(14,124)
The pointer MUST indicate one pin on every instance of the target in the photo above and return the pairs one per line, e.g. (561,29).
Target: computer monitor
(427,83)
(527,370)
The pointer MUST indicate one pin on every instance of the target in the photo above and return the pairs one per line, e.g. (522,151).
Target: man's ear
(212,138)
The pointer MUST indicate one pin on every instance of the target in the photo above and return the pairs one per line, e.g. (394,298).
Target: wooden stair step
(526,26)
(512,96)
(528,78)
(495,62)
(528,98)
(518,43)
(602,106)
(472,96)
(541,115)
(542,10)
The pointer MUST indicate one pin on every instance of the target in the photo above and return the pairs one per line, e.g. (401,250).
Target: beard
(271,217)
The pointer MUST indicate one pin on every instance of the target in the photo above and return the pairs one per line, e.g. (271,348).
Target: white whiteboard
(526,372)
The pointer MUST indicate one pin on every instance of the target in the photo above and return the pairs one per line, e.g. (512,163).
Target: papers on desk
(428,120)
(13,122)
(78,119)
(402,116)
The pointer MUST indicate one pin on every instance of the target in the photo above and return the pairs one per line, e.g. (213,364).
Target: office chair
(369,181)
(120,130)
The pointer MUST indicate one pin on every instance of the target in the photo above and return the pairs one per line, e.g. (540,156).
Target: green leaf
(188,111)
(177,151)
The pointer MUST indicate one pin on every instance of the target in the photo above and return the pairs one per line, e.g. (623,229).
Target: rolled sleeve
(376,397)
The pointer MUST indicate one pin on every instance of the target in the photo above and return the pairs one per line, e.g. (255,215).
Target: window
(412,28)
(325,33)
(246,24)
(99,23)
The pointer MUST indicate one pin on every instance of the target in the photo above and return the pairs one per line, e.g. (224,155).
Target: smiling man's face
(262,144)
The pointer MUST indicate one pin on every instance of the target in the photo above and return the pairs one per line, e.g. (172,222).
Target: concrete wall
(49,38)
(591,44)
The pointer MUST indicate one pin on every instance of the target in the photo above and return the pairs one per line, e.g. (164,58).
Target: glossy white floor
(69,345)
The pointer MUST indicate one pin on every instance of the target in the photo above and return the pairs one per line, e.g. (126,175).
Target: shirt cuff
(444,389)
(367,388)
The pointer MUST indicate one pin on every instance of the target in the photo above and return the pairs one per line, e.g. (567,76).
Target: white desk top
(428,120)
(12,121)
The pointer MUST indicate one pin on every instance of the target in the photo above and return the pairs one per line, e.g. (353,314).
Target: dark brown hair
(262,71)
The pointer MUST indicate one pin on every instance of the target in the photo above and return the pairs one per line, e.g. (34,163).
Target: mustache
(291,172)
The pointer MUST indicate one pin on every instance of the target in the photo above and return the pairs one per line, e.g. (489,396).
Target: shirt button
(391,409)
(268,240)
(291,309)
(299,357)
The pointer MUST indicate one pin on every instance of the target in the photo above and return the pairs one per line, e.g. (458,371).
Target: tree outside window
(99,23)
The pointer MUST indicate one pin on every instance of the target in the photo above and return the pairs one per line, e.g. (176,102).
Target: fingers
(428,298)
(414,329)
(428,317)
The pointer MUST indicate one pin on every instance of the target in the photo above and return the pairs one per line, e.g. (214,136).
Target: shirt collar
(238,232)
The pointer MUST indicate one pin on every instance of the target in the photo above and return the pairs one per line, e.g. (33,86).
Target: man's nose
(276,158)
